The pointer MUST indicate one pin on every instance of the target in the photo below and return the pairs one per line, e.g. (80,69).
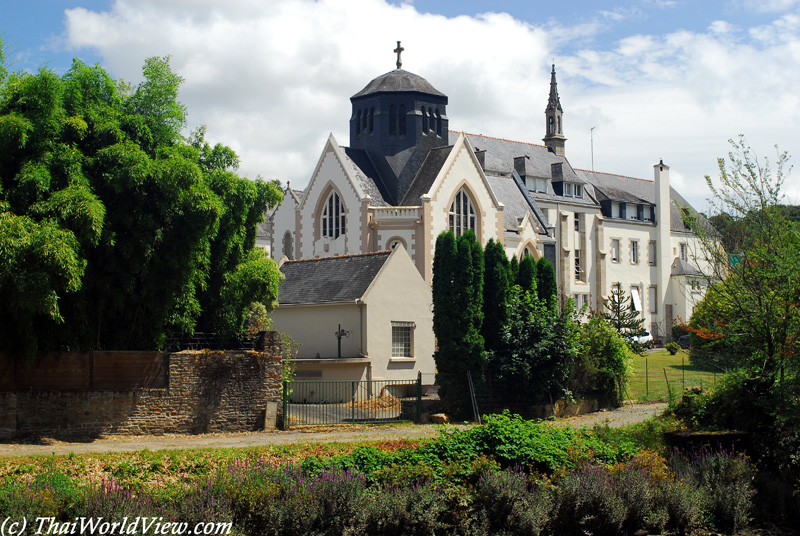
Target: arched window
(558,123)
(402,120)
(333,217)
(527,252)
(430,114)
(438,123)
(392,120)
(462,214)
(371,119)
(550,125)
(358,122)
(424,120)
(287,245)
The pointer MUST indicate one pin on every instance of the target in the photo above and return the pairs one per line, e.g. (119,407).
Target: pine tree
(546,284)
(625,320)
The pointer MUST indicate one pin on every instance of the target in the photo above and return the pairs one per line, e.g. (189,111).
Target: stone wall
(208,391)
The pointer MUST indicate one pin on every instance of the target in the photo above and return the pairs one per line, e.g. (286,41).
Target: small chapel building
(405,177)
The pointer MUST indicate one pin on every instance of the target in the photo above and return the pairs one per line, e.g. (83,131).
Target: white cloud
(273,79)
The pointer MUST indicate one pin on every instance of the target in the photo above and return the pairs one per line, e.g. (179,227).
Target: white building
(405,177)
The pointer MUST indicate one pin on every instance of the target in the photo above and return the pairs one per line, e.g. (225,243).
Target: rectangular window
(402,339)
(615,250)
(568,189)
(579,191)
(623,210)
(578,269)
(653,299)
(577,222)
(640,212)
(634,252)
(684,253)
(651,253)
(636,299)
(541,186)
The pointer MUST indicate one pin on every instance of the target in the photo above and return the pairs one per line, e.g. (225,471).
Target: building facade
(405,177)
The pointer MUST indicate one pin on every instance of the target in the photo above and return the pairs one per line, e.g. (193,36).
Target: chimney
(480,154)
(556,172)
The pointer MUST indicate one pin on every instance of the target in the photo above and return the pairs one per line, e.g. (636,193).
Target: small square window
(579,191)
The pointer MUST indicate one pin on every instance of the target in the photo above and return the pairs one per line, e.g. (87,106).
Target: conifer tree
(513,270)
(546,284)
(495,293)
(628,323)
(457,314)
(526,276)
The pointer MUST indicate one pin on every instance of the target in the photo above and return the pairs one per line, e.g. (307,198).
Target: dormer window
(573,189)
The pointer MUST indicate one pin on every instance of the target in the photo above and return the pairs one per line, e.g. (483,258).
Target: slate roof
(366,175)
(427,173)
(633,190)
(329,279)
(682,267)
(499,160)
(398,80)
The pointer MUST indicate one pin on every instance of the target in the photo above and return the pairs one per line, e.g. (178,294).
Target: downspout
(361,305)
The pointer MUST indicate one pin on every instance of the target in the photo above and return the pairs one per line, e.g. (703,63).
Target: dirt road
(45,447)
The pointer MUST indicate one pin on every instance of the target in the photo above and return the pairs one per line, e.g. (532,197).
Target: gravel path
(45,447)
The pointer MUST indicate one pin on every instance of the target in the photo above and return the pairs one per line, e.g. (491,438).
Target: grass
(648,382)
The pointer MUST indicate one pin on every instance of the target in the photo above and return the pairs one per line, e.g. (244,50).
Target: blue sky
(657,79)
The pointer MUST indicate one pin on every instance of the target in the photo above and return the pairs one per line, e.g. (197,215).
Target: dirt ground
(628,414)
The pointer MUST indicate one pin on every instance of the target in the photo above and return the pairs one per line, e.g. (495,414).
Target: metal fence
(341,402)
(654,381)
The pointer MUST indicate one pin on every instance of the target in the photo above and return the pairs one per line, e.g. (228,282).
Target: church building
(405,177)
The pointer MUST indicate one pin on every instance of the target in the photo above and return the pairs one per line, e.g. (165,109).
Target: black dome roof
(398,80)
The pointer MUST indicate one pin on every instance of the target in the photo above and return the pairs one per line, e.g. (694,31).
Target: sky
(639,80)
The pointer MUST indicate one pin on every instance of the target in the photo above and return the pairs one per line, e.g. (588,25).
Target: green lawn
(648,382)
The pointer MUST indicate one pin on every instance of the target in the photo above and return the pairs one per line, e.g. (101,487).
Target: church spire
(554,134)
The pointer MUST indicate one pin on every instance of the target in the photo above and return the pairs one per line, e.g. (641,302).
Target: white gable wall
(329,175)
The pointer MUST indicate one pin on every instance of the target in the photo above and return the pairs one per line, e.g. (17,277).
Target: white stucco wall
(283,220)
(330,173)
(399,294)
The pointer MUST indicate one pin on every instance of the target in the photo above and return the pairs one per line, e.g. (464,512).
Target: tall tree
(457,313)
(546,285)
(623,318)
(753,296)
(526,276)
(495,293)
(107,216)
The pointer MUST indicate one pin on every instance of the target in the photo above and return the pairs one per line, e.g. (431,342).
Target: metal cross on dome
(398,50)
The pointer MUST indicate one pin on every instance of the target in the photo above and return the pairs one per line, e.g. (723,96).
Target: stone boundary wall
(208,391)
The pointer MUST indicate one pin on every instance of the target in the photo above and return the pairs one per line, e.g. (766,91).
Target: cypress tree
(495,293)
(445,306)
(513,271)
(546,285)
(526,277)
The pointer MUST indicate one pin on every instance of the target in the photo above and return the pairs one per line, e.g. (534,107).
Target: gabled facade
(389,333)
(404,178)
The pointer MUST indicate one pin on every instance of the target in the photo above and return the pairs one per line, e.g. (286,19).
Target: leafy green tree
(108,217)
(606,360)
(495,293)
(526,276)
(546,285)
(622,317)
(753,296)
(538,350)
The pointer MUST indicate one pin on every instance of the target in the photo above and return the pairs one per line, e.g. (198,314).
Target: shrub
(672,347)
(725,483)
(505,502)
(400,510)
(587,502)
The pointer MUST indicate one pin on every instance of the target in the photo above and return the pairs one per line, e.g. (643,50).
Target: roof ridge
(496,138)
(340,256)
(613,175)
